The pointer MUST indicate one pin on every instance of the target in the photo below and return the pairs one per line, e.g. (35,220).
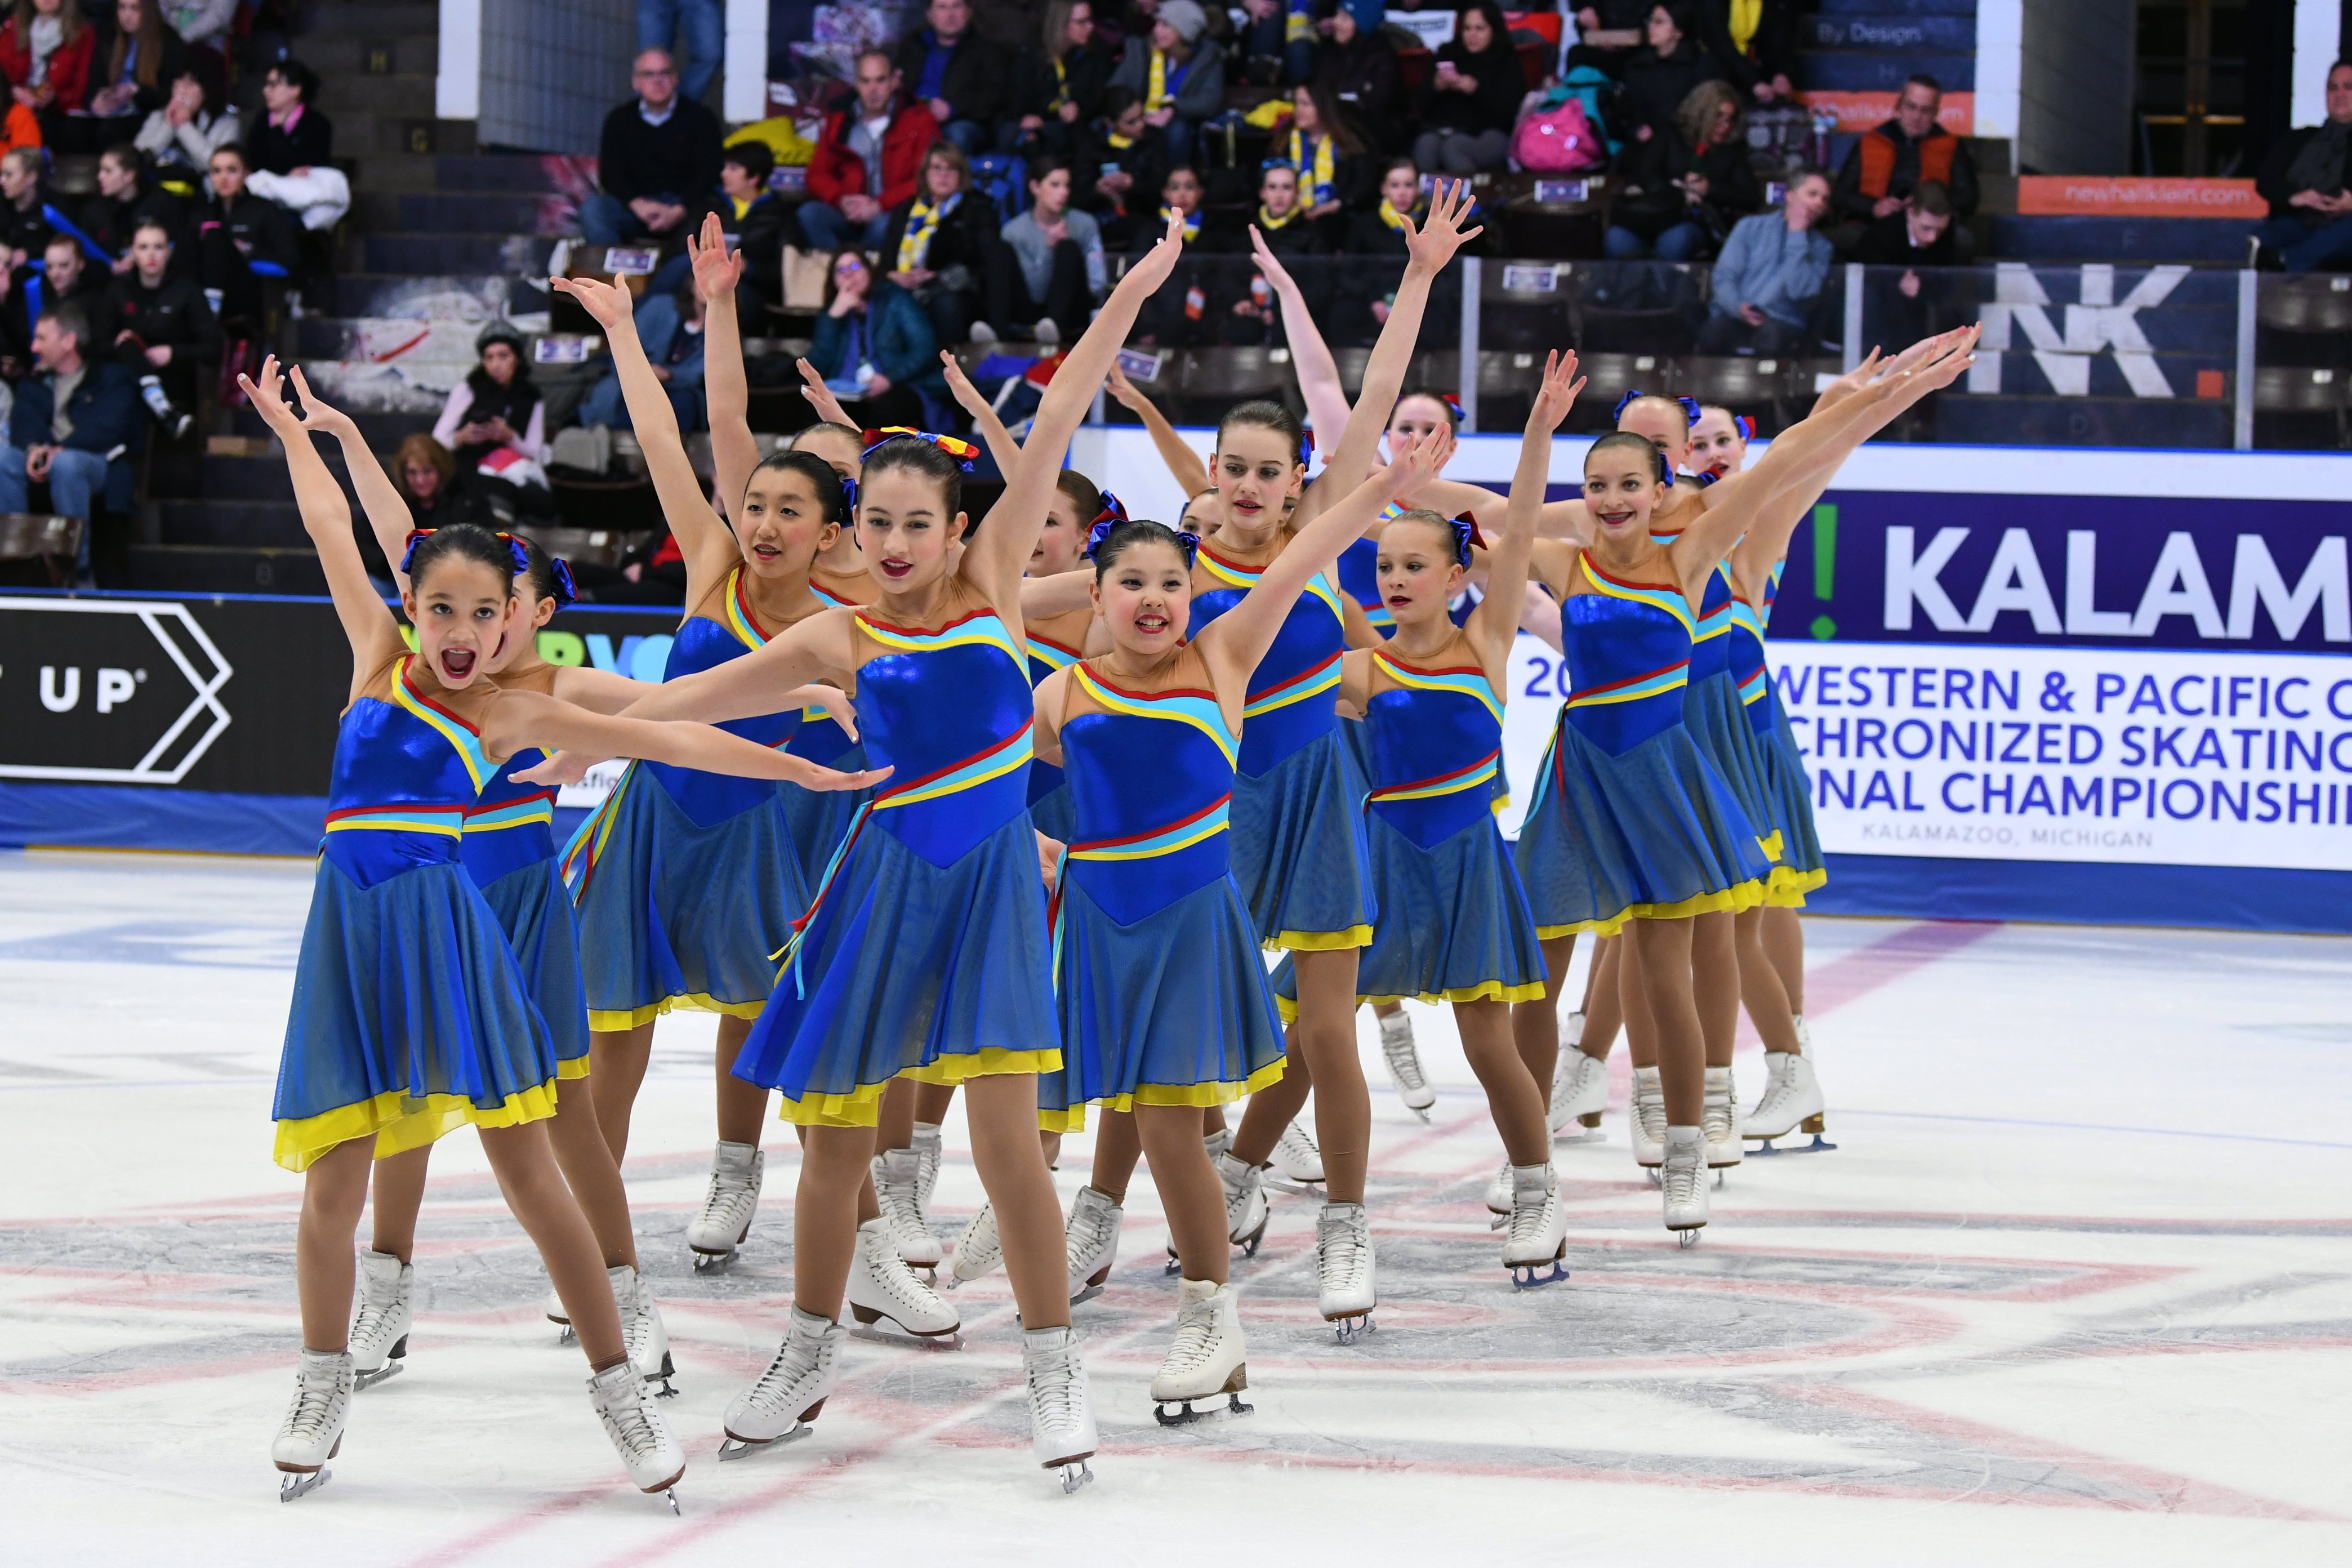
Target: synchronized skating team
(1016,805)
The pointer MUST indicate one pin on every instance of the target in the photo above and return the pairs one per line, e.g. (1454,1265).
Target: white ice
(2073,1288)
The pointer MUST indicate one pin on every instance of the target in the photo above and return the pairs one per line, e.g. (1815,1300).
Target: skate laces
(1685,1171)
(1298,1144)
(1196,1330)
(729,1202)
(1342,1249)
(1528,1220)
(796,1359)
(1090,1229)
(1404,1062)
(890,1272)
(899,1204)
(1054,1386)
(627,1421)
(308,1418)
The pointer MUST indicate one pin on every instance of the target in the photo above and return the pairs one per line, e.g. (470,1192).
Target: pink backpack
(1558,140)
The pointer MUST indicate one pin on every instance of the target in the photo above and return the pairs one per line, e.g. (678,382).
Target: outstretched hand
(1159,263)
(268,394)
(1414,461)
(1440,235)
(1558,395)
(1126,391)
(560,768)
(609,303)
(820,400)
(1278,277)
(317,415)
(959,383)
(809,775)
(717,269)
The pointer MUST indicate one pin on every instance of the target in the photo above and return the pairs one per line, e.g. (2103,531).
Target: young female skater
(1454,924)
(925,952)
(383,1056)
(1160,990)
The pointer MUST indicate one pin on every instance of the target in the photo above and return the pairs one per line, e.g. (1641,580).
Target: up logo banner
(107,691)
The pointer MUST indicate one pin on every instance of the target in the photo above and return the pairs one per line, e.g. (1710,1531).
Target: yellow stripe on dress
(982,628)
(460,735)
(1463,682)
(1671,600)
(1201,710)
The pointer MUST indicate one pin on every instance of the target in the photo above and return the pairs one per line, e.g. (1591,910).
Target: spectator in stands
(1889,160)
(60,275)
(1181,80)
(875,348)
(1276,45)
(1367,282)
(670,327)
(1918,234)
(45,51)
(1662,73)
(1753,44)
(1680,190)
(1281,220)
(1174,314)
(1049,270)
(26,218)
(495,422)
(1333,161)
(203,24)
(134,76)
(959,76)
(243,240)
(1471,100)
(937,246)
(165,334)
(1063,79)
(700,24)
(182,136)
(657,160)
(868,159)
(2303,178)
(1359,70)
(438,495)
(759,226)
(1608,32)
(1769,276)
(1380,232)
(289,152)
(125,199)
(1127,156)
(68,427)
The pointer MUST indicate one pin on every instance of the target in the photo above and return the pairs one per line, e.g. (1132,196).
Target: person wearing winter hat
(1177,73)
(495,420)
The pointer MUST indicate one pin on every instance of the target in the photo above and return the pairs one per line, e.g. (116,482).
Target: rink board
(2031,683)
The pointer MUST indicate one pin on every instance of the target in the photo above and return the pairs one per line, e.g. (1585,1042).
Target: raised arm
(1184,465)
(1000,551)
(388,516)
(820,400)
(764,681)
(703,537)
(327,516)
(1237,640)
(1001,443)
(1431,247)
(521,718)
(726,390)
(1310,356)
(1507,563)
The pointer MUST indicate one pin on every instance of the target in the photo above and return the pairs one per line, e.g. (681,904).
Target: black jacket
(252,230)
(1656,85)
(1887,242)
(1648,202)
(1502,83)
(173,314)
(312,142)
(2271,179)
(960,240)
(1771,51)
(91,296)
(27,230)
(1087,71)
(977,83)
(678,158)
(1363,77)
(761,235)
(113,223)
(1146,161)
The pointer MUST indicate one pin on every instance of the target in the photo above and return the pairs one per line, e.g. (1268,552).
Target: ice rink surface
(2074,1287)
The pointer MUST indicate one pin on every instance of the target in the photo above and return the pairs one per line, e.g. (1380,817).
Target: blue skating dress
(1711,704)
(687,882)
(510,851)
(1298,847)
(817,818)
(410,1016)
(1158,977)
(1455,924)
(1630,820)
(1788,789)
(1049,796)
(925,952)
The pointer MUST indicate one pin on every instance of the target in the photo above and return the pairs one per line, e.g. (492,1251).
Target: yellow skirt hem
(1073,1120)
(1786,888)
(399,1123)
(1318,941)
(611,1021)
(862,1106)
(1739,896)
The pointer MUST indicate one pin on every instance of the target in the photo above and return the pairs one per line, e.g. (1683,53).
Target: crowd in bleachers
(119,305)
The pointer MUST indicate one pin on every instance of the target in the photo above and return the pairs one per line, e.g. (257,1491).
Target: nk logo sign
(2255,574)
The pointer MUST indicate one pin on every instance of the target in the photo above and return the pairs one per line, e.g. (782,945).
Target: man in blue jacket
(1769,276)
(69,424)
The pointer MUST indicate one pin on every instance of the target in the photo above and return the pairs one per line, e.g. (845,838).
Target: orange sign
(2101,195)
(1859,112)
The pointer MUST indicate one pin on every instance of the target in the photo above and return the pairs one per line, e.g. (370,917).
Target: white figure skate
(1538,1229)
(1719,1119)
(312,1432)
(727,1211)
(1092,1241)
(378,1343)
(779,1407)
(1404,1065)
(898,1186)
(648,1447)
(980,1251)
(1343,1269)
(1208,1358)
(1061,1419)
(881,1287)
(1682,1180)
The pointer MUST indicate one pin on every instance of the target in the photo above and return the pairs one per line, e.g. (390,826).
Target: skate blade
(1186,1415)
(713,1262)
(1074,1475)
(1249,1244)
(1350,1327)
(1686,1236)
(383,1373)
(730,1447)
(1580,1135)
(909,1339)
(1422,1111)
(566,1335)
(659,1382)
(1296,1189)
(675,1511)
(1086,1293)
(302,1483)
(1527,1276)
(1172,1267)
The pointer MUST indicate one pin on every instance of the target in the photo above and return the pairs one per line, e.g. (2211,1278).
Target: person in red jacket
(45,51)
(868,159)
